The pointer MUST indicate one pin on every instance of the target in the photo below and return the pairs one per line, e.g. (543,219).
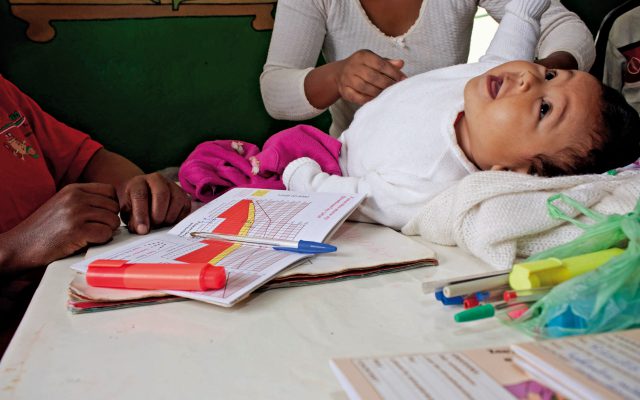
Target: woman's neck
(393,17)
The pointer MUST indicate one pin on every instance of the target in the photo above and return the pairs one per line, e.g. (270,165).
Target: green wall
(150,89)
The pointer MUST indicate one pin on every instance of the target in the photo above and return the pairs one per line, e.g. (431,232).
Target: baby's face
(519,110)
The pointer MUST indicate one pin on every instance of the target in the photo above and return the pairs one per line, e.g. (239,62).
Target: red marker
(155,276)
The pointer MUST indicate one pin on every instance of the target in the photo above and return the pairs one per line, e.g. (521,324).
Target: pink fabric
(216,166)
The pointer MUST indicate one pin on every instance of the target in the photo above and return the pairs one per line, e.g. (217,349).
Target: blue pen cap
(308,247)
(449,301)
(439,295)
(316,246)
(483,296)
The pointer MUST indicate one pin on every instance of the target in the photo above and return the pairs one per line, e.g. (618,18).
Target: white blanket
(500,216)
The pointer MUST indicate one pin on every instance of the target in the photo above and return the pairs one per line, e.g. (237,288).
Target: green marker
(475,313)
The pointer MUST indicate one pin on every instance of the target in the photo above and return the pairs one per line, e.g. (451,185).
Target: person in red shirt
(62,191)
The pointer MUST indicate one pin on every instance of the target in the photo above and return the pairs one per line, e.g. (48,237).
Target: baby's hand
(299,174)
(150,201)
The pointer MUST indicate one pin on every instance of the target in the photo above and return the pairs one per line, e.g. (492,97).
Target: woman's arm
(296,42)
(293,89)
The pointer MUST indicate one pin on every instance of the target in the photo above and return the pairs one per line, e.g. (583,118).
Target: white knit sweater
(440,37)
(401,148)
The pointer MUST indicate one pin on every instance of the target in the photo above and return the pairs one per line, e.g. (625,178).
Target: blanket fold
(501,216)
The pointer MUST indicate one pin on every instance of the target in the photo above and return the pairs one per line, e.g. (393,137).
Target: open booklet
(603,366)
(363,250)
(253,213)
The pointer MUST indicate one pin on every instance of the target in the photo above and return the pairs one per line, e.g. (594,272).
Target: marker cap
(213,277)
(450,301)
(475,313)
(470,302)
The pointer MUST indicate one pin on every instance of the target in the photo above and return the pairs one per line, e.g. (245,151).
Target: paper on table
(471,374)
(274,214)
(602,366)
(364,249)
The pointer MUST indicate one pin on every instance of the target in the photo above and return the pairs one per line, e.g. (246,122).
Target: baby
(427,132)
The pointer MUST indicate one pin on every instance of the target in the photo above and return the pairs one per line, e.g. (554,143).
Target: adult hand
(76,216)
(559,60)
(363,75)
(152,200)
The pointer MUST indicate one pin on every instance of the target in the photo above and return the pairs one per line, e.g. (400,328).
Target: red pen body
(155,276)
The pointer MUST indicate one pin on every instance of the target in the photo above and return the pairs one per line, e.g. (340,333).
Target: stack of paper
(604,366)
(84,298)
(484,374)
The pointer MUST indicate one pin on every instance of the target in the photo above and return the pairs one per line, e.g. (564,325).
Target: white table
(276,345)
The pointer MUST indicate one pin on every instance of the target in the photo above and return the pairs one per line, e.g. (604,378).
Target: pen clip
(308,247)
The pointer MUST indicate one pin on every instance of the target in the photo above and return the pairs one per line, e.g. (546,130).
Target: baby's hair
(615,141)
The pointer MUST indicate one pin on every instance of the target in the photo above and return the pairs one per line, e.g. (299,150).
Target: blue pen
(301,246)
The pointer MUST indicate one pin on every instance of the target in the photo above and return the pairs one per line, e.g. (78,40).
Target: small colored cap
(470,301)
(214,278)
(510,295)
(475,313)
(482,296)
(439,295)
(449,301)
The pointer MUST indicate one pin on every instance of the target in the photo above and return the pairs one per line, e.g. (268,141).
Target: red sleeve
(66,150)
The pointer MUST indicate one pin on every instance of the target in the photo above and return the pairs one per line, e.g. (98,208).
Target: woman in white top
(369,45)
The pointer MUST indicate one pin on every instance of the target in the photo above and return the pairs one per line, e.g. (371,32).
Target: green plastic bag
(602,300)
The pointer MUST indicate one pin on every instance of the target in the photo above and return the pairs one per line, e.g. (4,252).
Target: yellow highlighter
(551,271)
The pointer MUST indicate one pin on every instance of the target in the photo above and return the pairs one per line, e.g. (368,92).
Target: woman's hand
(357,79)
(559,60)
(364,75)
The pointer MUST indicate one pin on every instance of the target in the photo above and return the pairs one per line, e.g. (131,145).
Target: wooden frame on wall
(40,13)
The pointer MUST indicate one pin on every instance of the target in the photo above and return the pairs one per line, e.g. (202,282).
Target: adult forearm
(321,85)
(108,167)
(563,31)
(8,262)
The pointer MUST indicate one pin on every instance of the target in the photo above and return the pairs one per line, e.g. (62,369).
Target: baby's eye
(544,109)
(549,75)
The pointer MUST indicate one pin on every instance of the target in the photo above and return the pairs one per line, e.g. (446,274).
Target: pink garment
(219,165)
